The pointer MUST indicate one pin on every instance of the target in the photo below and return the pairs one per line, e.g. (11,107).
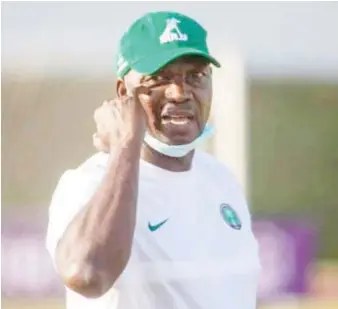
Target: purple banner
(26,269)
(287,248)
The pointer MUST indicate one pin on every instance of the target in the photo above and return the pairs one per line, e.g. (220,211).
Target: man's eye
(158,78)
(155,79)
(197,75)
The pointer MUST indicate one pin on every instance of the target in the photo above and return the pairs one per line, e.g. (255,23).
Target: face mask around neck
(177,151)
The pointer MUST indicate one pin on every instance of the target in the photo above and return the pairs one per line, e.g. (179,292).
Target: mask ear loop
(128,91)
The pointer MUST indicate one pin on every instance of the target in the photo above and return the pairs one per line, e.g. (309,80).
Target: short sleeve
(73,191)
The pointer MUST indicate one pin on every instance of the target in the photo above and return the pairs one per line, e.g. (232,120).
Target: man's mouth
(176,119)
(179,125)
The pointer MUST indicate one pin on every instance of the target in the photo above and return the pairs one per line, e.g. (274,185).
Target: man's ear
(121,89)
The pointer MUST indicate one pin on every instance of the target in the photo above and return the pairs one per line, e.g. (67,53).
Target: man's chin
(176,140)
(178,132)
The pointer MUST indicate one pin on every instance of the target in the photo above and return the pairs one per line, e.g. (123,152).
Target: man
(149,222)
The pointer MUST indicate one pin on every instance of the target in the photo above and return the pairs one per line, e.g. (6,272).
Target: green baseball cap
(156,39)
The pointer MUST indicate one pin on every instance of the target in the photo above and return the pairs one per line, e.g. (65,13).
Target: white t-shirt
(193,244)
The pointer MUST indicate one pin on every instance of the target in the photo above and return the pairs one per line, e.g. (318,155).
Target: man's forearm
(96,246)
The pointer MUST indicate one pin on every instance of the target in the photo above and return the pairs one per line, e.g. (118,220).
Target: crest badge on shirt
(230,216)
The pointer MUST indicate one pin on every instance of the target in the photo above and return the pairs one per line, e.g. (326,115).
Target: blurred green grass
(293,159)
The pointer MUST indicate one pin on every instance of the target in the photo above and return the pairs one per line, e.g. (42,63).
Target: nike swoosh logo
(155,227)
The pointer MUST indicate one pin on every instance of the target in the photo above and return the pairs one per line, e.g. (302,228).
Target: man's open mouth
(176,119)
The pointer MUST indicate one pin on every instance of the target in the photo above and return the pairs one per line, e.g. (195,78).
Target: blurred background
(275,112)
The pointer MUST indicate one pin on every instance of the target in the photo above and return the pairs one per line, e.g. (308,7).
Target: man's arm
(96,245)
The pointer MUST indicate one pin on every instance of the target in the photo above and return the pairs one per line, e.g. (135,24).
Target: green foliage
(294,154)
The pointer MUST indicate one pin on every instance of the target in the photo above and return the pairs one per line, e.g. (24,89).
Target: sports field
(56,304)
(324,287)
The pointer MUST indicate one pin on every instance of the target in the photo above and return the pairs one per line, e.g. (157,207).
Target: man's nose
(178,92)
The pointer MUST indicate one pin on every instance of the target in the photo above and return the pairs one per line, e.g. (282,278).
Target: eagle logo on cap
(172,32)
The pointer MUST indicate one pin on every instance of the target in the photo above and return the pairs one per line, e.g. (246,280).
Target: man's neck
(168,163)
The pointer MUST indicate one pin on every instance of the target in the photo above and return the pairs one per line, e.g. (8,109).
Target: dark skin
(96,246)
(170,91)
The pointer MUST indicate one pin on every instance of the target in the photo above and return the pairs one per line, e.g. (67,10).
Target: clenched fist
(118,119)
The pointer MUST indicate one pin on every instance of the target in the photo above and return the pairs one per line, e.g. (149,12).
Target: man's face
(179,104)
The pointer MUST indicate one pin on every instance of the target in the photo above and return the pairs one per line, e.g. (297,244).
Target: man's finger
(99,144)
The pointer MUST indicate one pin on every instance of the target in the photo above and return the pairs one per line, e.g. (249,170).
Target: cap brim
(156,62)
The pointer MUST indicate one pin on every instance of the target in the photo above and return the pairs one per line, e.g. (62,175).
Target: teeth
(176,121)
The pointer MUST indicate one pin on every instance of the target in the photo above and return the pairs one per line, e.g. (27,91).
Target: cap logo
(172,32)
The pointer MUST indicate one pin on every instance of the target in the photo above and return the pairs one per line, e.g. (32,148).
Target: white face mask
(175,151)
